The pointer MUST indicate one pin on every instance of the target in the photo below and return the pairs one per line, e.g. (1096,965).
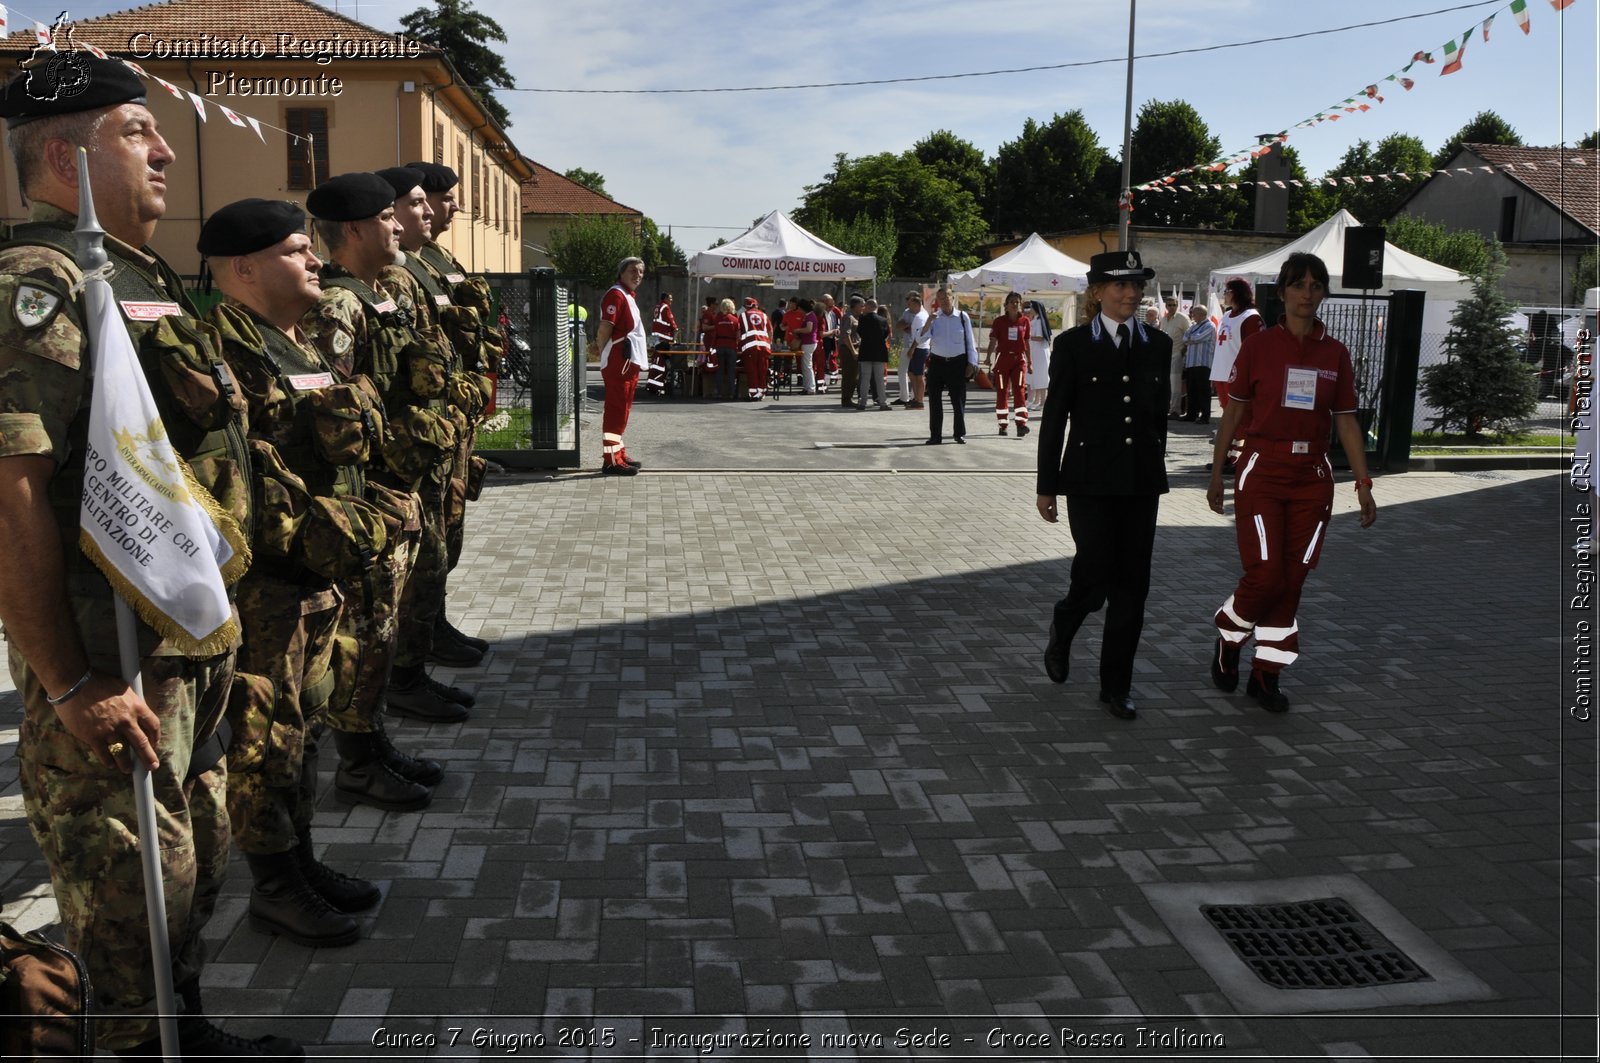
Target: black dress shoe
(933,442)
(1058,658)
(1263,686)
(1119,705)
(1022,430)
(960,439)
(1225,665)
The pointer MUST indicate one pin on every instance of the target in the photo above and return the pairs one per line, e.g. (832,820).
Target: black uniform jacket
(1117,403)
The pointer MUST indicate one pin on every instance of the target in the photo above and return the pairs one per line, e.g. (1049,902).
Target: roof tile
(547,192)
(1569,178)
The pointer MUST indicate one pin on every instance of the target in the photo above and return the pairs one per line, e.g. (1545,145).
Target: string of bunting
(1366,178)
(1453,50)
(46,37)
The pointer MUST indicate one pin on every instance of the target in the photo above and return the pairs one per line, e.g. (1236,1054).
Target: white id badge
(1300,390)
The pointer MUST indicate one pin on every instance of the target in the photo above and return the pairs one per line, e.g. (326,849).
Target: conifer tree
(1484,384)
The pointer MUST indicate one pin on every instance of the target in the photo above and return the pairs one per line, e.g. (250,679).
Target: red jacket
(724,333)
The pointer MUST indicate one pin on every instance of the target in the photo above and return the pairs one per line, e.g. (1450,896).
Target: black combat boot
(420,770)
(443,628)
(410,695)
(451,650)
(344,893)
(364,779)
(465,698)
(201,1042)
(282,902)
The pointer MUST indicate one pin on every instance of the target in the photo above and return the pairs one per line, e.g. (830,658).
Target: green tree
(1374,201)
(462,33)
(959,160)
(862,235)
(1463,250)
(657,248)
(1054,176)
(1585,275)
(1484,385)
(594,182)
(1590,142)
(1485,128)
(1168,136)
(1309,202)
(940,226)
(590,247)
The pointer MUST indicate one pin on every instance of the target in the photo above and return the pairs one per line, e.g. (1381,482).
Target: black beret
(402,179)
(69,83)
(350,197)
(250,225)
(435,178)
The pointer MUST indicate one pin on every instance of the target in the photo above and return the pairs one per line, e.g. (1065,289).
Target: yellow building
(368,99)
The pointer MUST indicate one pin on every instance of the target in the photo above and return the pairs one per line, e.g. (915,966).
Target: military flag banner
(164,544)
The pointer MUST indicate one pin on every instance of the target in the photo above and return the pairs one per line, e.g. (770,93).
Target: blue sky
(696,162)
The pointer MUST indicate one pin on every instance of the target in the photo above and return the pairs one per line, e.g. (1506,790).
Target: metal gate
(534,424)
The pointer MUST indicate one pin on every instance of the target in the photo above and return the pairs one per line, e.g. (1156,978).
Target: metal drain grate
(1321,944)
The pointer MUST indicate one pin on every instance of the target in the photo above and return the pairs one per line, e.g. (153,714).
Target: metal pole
(1123,204)
(91,256)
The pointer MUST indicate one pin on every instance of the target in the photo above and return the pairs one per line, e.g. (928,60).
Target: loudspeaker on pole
(1363,257)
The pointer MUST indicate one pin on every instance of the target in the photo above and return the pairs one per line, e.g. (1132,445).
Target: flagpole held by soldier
(92,259)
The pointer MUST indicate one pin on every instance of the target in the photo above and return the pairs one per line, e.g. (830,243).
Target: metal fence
(534,423)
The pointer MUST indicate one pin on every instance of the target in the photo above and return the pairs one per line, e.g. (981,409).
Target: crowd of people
(330,409)
(827,345)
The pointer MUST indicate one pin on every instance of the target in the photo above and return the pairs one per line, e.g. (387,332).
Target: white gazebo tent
(777,249)
(1033,268)
(1401,269)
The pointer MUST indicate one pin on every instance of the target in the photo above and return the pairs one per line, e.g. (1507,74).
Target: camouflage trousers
(423,598)
(364,646)
(276,707)
(83,817)
(456,504)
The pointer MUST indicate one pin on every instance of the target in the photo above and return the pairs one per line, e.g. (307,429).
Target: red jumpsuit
(1284,492)
(620,364)
(755,346)
(1011,367)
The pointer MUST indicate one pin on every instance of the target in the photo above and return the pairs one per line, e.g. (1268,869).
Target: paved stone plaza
(764,745)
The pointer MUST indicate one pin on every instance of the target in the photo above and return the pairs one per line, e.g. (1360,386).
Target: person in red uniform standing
(623,357)
(755,347)
(1010,336)
(663,331)
(1288,385)
(724,342)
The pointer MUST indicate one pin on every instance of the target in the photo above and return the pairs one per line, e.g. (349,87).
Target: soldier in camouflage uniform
(471,324)
(461,399)
(82,724)
(309,436)
(361,330)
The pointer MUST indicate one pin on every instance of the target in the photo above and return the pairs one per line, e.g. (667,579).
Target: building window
(480,208)
(1508,218)
(310,126)
(438,143)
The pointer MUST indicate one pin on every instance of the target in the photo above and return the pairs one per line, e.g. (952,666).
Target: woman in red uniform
(1009,335)
(1288,385)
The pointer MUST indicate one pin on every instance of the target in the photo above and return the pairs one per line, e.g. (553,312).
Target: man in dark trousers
(1110,377)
